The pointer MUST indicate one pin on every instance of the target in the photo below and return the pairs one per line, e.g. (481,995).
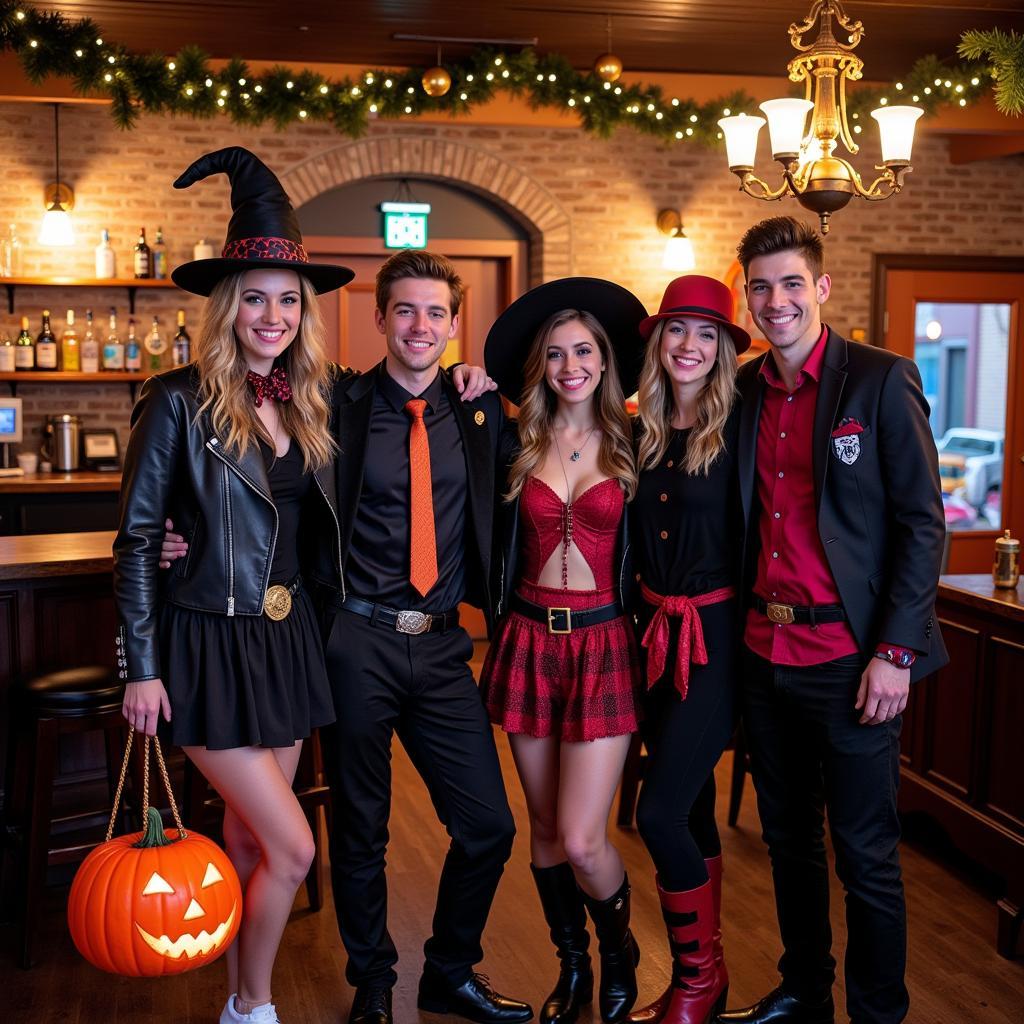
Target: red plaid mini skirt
(578,686)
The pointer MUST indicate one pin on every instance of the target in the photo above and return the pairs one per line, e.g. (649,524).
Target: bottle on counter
(160,256)
(24,348)
(143,256)
(182,342)
(106,266)
(113,348)
(132,349)
(70,351)
(46,346)
(6,353)
(156,346)
(90,347)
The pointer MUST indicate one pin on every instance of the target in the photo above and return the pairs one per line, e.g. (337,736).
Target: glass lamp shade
(741,138)
(786,119)
(896,128)
(57,228)
(679,254)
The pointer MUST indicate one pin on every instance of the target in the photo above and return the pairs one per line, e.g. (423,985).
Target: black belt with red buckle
(801,614)
(564,620)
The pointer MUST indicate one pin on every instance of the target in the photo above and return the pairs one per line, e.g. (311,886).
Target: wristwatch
(901,657)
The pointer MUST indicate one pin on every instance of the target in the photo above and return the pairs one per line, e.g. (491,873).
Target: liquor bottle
(11,254)
(182,342)
(24,348)
(113,349)
(105,263)
(132,350)
(70,352)
(46,346)
(159,256)
(90,347)
(143,256)
(156,346)
(6,354)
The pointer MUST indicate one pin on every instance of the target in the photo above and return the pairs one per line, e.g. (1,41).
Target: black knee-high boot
(566,917)
(619,953)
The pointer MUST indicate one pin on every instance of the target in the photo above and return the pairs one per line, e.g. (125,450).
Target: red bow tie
(274,386)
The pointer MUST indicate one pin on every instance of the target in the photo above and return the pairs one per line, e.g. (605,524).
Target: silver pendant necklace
(578,452)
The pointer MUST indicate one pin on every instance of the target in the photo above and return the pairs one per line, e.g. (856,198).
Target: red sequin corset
(591,523)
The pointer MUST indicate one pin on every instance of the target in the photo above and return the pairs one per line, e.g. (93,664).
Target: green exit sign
(405,225)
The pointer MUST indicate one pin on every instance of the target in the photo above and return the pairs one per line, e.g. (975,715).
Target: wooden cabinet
(962,749)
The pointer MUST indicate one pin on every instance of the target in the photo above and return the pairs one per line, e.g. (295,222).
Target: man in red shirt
(843,540)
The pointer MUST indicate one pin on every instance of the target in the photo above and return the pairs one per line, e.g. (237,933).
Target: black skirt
(243,680)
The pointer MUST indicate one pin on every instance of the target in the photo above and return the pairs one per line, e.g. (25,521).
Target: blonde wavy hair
(537,410)
(657,406)
(225,395)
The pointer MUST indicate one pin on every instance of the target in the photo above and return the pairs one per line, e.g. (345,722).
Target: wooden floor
(955,975)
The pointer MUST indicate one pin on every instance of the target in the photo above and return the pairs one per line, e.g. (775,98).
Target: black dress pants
(420,687)
(809,756)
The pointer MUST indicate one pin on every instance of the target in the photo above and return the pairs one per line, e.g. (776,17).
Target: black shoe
(619,953)
(474,999)
(372,1005)
(780,1008)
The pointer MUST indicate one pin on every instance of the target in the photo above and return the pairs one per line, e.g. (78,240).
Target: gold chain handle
(182,834)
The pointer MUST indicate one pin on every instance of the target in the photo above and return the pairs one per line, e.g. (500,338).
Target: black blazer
(480,423)
(880,515)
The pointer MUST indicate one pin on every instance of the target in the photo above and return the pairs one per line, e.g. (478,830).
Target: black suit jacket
(880,515)
(480,424)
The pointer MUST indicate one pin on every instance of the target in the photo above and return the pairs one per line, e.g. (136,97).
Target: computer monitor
(10,421)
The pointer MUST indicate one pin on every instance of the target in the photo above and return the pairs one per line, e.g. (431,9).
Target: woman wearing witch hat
(685,521)
(561,675)
(236,448)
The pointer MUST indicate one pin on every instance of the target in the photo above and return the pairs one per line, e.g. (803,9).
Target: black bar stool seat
(73,691)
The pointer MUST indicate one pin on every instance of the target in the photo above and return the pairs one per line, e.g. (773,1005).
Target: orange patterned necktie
(422,544)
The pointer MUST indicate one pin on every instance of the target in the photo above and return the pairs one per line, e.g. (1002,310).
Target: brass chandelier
(812,173)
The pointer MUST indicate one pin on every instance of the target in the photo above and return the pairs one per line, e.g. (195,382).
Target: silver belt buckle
(412,623)
(780,613)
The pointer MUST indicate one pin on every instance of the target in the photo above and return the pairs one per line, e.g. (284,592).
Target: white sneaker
(263,1014)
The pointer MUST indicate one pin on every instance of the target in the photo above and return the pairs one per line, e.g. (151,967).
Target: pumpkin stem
(154,834)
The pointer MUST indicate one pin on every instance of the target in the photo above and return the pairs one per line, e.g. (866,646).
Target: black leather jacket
(176,466)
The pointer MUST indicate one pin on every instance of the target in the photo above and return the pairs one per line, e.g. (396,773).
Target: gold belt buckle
(553,613)
(277,603)
(780,613)
(412,623)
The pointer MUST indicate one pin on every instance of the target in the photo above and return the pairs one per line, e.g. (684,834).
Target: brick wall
(589,205)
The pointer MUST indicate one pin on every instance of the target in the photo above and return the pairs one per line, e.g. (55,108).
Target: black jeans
(675,814)
(420,687)
(809,755)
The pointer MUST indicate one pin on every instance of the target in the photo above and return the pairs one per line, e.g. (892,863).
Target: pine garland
(48,44)
(1005,51)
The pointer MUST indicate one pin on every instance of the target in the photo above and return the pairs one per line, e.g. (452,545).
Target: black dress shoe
(372,1005)
(474,999)
(780,1008)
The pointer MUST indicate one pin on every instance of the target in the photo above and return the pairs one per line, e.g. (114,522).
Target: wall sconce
(679,255)
(59,198)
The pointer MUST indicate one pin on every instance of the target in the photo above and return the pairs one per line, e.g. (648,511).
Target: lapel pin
(479,418)
(846,440)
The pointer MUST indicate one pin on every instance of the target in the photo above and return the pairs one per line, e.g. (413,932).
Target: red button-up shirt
(792,567)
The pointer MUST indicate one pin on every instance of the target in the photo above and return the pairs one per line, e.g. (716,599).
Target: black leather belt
(564,620)
(802,614)
(399,620)
(277,602)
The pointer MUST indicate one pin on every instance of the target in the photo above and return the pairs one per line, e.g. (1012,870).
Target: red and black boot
(714,866)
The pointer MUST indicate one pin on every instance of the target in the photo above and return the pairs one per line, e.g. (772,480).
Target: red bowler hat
(703,297)
(263,231)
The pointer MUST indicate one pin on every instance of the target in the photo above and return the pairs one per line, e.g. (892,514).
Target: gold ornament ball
(436,81)
(608,67)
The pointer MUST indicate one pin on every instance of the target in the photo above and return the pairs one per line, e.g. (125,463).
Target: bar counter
(82,481)
(48,555)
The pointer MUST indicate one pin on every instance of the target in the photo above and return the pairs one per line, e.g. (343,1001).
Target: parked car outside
(971,458)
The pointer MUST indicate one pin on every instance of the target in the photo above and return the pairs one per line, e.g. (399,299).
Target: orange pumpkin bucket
(152,903)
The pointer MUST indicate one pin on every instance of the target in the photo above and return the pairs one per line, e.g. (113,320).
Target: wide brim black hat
(617,310)
(263,232)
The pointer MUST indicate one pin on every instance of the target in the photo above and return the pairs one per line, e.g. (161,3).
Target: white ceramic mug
(28,461)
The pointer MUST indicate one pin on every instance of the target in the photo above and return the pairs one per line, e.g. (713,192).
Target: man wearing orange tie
(416,495)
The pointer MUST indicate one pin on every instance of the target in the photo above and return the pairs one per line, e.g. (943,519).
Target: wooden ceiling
(713,36)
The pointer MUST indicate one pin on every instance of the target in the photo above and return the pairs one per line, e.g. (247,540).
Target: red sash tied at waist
(691,633)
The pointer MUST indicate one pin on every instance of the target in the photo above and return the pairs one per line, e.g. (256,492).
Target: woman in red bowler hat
(685,520)
(561,675)
(236,447)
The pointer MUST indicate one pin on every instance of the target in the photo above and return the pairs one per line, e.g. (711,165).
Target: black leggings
(684,739)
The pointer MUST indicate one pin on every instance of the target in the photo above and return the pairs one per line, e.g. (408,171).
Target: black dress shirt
(378,563)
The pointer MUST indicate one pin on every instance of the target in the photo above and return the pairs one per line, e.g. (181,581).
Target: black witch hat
(263,231)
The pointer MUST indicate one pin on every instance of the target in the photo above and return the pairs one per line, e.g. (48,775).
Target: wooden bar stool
(42,710)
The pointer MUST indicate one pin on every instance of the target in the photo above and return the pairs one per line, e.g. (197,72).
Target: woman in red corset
(561,676)
(686,521)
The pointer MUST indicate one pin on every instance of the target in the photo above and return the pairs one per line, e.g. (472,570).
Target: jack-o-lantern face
(155,909)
